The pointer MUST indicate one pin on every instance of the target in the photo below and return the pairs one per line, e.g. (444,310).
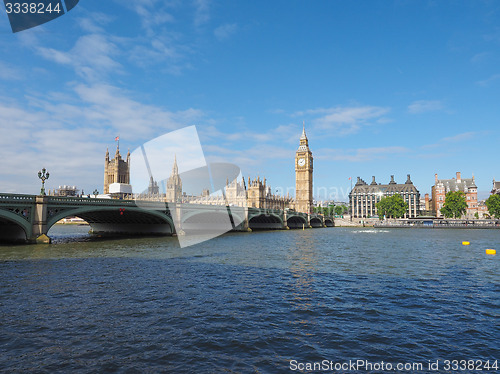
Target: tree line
(455,206)
(330,210)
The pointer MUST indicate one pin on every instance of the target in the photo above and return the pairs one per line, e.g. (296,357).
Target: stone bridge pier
(40,228)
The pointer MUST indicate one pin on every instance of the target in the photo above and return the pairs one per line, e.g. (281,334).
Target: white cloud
(152,13)
(99,53)
(68,134)
(110,106)
(360,154)
(252,159)
(341,121)
(480,57)
(92,56)
(202,12)
(423,106)
(460,137)
(486,82)
(283,133)
(445,142)
(8,72)
(225,31)
(93,22)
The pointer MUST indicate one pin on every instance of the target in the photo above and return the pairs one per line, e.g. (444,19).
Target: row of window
(387,194)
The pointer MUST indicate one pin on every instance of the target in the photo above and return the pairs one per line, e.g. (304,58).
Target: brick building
(443,186)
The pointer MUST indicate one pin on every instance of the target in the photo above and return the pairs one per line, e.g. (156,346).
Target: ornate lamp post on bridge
(95,193)
(43,175)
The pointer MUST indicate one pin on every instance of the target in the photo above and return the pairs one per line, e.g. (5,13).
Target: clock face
(301,162)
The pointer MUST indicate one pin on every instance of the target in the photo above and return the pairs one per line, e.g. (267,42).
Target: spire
(107,154)
(303,136)
(175,169)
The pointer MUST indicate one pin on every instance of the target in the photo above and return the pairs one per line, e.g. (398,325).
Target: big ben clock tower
(303,176)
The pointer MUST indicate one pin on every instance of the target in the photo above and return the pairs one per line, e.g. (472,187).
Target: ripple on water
(249,303)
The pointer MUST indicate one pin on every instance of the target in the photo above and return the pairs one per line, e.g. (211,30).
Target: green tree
(383,208)
(341,209)
(455,205)
(493,204)
(392,207)
(476,215)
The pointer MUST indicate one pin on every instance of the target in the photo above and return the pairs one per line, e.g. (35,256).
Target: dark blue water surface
(249,303)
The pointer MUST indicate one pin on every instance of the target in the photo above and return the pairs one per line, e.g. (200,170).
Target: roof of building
(374,187)
(458,185)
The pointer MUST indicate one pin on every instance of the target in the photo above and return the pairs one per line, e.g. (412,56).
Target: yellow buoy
(465,243)
(491,252)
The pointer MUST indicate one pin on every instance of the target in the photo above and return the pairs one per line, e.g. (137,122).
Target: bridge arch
(265,221)
(14,227)
(296,222)
(119,220)
(316,222)
(329,222)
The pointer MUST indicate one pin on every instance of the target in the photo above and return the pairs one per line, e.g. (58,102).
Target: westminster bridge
(30,217)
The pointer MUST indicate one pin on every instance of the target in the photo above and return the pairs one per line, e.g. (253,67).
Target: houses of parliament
(255,193)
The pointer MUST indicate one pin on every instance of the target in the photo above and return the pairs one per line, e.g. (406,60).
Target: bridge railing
(89,201)
(16,198)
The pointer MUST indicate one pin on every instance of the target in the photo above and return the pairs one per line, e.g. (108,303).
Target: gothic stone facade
(116,170)
(259,195)
(174,185)
(363,197)
(303,176)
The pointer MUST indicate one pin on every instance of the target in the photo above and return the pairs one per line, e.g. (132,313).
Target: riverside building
(364,197)
(496,188)
(443,186)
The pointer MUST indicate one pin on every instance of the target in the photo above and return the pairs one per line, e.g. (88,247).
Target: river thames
(261,302)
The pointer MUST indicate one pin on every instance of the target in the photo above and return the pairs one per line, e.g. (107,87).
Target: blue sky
(384,87)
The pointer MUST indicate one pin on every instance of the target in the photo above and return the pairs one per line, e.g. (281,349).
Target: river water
(261,302)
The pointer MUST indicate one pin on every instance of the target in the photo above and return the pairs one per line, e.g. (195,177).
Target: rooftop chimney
(459,179)
(435,178)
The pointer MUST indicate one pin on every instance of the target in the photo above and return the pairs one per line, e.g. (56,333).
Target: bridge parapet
(52,200)
(9,198)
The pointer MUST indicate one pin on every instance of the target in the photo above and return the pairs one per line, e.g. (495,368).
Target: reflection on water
(248,302)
